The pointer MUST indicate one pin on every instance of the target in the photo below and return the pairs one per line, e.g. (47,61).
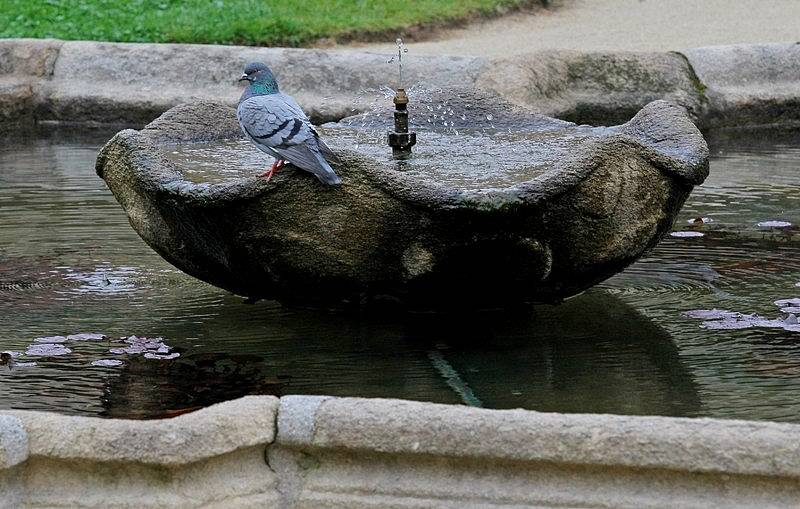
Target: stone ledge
(140,81)
(358,453)
(407,427)
(210,432)
(367,453)
(749,83)
(16,100)
(133,83)
(29,57)
(594,87)
(13,442)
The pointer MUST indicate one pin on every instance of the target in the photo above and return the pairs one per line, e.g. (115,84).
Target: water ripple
(71,265)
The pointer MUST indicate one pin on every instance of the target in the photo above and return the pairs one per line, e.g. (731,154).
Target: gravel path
(637,25)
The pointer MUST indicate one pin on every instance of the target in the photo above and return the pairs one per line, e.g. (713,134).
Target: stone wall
(324,452)
(78,81)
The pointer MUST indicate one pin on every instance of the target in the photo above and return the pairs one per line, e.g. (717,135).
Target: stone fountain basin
(499,206)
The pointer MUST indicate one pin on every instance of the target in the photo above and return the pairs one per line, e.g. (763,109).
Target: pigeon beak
(244,78)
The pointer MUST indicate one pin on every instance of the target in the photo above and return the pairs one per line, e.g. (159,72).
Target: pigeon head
(261,79)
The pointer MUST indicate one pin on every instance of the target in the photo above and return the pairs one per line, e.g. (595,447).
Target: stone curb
(78,81)
(354,453)
(13,442)
(213,431)
(749,83)
(408,427)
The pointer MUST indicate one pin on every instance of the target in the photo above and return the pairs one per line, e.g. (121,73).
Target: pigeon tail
(309,158)
(327,153)
(325,173)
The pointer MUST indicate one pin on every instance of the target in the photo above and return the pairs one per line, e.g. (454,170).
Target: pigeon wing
(292,106)
(270,123)
(327,153)
(273,125)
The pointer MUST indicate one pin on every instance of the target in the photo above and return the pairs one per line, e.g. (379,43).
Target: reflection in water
(592,353)
(70,263)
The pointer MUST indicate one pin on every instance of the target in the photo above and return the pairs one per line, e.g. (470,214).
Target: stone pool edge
(321,451)
(82,81)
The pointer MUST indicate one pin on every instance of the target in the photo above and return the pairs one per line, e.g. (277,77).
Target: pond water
(70,264)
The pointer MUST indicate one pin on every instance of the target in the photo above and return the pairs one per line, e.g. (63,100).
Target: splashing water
(400,50)
(428,110)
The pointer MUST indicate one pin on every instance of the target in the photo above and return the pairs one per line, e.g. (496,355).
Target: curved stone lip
(212,431)
(368,426)
(259,451)
(661,131)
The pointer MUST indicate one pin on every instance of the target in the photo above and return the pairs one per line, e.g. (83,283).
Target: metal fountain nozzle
(400,139)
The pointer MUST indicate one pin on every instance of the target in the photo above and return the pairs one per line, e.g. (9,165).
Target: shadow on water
(590,354)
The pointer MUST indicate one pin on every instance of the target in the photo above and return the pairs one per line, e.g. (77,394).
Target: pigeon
(277,125)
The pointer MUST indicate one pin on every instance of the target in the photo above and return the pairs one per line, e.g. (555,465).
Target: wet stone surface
(550,207)
(467,141)
(466,159)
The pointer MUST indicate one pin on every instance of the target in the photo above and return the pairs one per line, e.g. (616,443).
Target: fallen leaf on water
(47,350)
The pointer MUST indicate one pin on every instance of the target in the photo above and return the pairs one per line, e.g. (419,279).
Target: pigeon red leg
(277,165)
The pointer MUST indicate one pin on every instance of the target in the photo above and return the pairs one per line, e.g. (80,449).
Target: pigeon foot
(277,165)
